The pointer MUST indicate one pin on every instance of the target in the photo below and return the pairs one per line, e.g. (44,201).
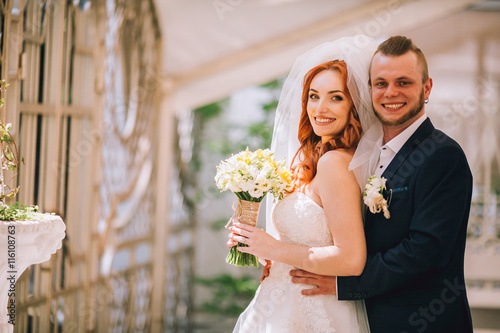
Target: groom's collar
(399,140)
(423,131)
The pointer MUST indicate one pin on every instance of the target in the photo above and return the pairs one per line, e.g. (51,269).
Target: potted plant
(27,236)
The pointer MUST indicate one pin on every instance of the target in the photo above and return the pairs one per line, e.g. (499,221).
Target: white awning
(213,47)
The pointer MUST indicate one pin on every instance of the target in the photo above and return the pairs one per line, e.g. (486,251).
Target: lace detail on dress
(301,221)
(278,305)
(312,315)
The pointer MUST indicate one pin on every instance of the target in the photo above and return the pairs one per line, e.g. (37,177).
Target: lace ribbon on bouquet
(246,211)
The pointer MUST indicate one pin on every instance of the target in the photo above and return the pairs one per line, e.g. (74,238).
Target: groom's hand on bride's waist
(267,267)
(324,285)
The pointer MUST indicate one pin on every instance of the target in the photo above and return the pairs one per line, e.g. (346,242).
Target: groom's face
(398,93)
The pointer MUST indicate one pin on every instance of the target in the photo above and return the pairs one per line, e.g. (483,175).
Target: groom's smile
(393,106)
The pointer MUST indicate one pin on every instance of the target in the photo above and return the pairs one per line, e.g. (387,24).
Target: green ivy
(231,295)
(211,110)
(10,161)
(17,212)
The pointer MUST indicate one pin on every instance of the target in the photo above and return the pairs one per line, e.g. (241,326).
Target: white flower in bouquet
(251,175)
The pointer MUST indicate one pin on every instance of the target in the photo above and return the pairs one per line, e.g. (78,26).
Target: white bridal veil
(357,52)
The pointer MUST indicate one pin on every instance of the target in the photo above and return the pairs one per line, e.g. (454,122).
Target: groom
(413,280)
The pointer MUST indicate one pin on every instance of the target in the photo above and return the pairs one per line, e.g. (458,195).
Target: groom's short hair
(399,45)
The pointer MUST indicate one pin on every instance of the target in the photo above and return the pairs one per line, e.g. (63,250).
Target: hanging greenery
(9,161)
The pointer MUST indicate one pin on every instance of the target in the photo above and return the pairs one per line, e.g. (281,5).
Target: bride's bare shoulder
(333,172)
(335,159)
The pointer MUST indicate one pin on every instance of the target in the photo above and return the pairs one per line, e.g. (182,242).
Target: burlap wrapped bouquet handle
(247,212)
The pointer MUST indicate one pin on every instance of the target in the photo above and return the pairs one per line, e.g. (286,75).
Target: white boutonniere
(373,196)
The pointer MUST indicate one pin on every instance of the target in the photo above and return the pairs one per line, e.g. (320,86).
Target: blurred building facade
(84,100)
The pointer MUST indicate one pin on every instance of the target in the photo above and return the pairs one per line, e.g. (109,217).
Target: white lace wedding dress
(278,305)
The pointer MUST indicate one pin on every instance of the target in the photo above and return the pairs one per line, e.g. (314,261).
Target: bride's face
(328,106)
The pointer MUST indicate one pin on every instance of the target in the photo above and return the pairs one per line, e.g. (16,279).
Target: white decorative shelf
(22,244)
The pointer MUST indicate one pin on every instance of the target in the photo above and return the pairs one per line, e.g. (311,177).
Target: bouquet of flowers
(251,175)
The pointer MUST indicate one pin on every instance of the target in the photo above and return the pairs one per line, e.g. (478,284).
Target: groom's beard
(404,118)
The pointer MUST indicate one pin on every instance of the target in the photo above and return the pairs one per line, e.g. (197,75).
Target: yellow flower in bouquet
(251,175)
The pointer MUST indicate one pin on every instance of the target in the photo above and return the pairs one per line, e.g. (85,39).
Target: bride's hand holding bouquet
(251,175)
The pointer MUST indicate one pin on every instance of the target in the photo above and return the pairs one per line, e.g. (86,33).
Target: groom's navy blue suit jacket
(413,280)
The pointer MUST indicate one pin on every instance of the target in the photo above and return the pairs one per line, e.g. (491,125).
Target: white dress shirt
(391,148)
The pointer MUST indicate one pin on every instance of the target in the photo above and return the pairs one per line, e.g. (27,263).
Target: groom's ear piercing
(426,101)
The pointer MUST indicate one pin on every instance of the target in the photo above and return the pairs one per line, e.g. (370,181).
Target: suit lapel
(422,132)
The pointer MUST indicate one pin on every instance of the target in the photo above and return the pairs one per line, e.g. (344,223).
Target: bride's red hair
(311,147)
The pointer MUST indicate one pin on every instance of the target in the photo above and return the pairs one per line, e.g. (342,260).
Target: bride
(318,226)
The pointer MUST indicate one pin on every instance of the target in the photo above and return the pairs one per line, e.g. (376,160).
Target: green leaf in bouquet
(241,259)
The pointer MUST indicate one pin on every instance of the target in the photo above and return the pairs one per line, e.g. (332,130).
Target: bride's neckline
(309,198)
